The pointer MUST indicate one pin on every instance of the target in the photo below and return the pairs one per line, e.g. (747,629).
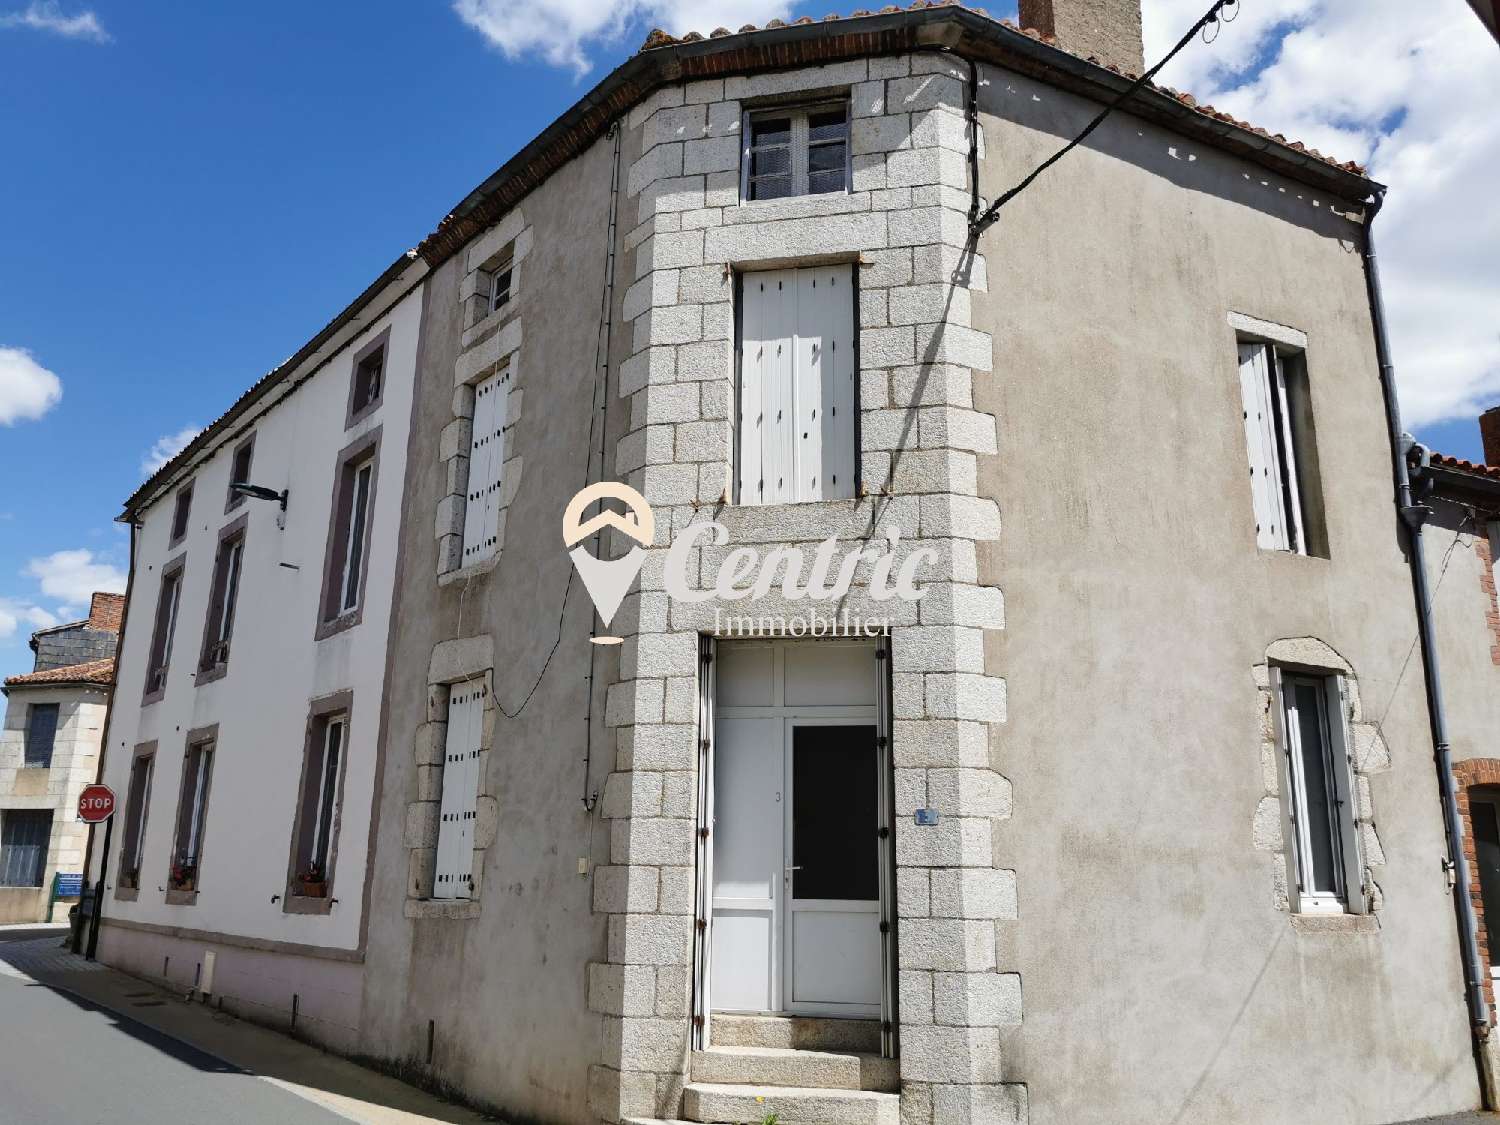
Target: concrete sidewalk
(353,1092)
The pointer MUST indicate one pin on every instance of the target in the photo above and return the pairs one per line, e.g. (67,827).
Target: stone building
(49,750)
(1009,717)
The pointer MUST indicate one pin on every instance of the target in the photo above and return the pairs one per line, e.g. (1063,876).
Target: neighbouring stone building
(49,750)
(1123,808)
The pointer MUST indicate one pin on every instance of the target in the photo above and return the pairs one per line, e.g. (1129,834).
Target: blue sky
(191,191)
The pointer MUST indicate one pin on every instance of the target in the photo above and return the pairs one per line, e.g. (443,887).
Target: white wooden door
(796,888)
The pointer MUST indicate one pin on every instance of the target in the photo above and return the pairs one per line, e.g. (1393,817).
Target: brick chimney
(1109,30)
(105,611)
(1489,434)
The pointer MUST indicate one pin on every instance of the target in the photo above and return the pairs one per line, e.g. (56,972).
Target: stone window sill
(339,624)
(306,904)
(210,674)
(180,897)
(1335,924)
(127,894)
(441,908)
(473,570)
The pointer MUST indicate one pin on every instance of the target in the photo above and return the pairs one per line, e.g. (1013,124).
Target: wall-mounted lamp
(260,492)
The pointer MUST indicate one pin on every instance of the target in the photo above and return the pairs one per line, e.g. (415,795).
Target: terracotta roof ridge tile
(87,672)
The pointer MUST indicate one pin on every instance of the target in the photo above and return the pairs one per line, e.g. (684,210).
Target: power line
(978,226)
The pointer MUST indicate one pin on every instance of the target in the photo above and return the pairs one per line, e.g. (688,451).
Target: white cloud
(562,32)
(14,614)
(1410,90)
(166,447)
(73,576)
(27,389)
(47,15)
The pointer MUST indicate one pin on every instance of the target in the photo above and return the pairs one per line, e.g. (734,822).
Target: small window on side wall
(367,381)
(349,532)
(315,834)
(168,599)
(1324,872)
(41,734)
(1284,481)
(239,471)
(182,509)
(788,152)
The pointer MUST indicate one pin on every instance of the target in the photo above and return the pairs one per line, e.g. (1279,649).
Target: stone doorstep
(709,1103)
(779,1066)
(805,1033)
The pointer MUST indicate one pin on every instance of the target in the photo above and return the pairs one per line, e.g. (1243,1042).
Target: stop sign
(96,803)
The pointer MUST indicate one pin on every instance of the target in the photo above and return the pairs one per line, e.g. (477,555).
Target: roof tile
(89,672)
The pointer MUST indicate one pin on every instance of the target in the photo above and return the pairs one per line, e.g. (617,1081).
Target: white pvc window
(802,151)
(500,285)
(1274,489)
(327,800)
(796,438)
(354,549)
(486,468)
(453,877)
(1325,865)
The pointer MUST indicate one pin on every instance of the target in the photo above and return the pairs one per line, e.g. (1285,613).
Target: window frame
(334,614)
(799,145)
(46,846)
(136,818)
(379,345)
(182,515)
(223,597)
(505,268)
(164,630)
(245,448)
(1349,894)
(192,811)
(28,761)
(324,714)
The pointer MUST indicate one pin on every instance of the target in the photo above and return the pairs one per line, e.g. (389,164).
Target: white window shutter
(797,390)
(479,470)
(495,451)
(1292,496)
(1288,798)
(455,849)
(1260,442)
(1341,761)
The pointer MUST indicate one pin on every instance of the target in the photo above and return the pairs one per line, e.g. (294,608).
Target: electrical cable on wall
(1209,17)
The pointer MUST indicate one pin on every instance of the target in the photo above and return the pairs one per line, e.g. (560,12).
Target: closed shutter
(797,390)
(41,734)
(1341,767)
(495,451)
(24,834)
(455,854)
(1261,443)
(484,470)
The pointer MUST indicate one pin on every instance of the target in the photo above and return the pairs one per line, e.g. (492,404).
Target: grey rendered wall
(1458,545)
(1163,981)
(505,988)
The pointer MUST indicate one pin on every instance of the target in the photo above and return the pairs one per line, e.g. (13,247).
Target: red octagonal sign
(96,803)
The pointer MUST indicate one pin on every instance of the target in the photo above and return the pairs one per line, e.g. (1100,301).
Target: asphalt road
(66,1062)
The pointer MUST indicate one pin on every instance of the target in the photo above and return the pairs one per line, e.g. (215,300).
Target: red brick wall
(1487,584)
(105,612)
(1489,433)
(1470,773)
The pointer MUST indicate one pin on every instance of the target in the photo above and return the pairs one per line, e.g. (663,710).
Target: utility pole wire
(978,226)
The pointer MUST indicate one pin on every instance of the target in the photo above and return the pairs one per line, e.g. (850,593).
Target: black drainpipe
(1414,515)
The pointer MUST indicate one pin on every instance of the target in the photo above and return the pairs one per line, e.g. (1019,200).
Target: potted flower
(313,881)
(184,876)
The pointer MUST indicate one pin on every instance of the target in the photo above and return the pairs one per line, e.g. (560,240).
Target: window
(454,877)
(500,285)
(41,734)
(797,437)
(239,471)
(795,152)
(1484,821)
(222,597)
(315,835)
(348,555)
(181,511)
(367,384)
(167,602)
(1284,484)
(24,834)
(192,809)
(1324,868)
(486,468)
(137,799)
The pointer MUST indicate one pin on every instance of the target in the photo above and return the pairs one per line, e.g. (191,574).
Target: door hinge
(698,1021)
(880,654)
(702,924)
(703,833)
(881,742)
(885,832)
(885,927)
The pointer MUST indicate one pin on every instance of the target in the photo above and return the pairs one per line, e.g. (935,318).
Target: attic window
(367,379)
(789,152)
